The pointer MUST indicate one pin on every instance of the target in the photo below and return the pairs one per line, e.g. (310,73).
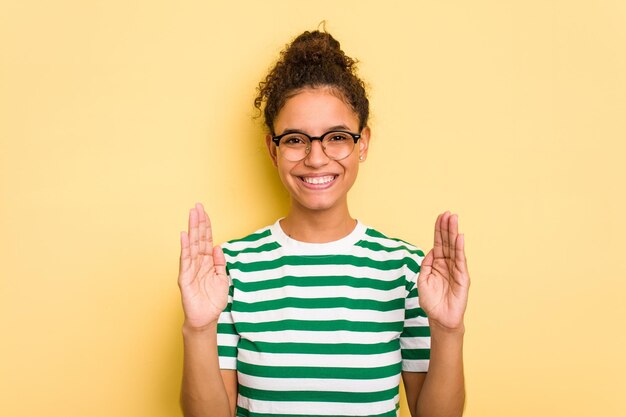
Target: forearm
(443,392)
(203,393)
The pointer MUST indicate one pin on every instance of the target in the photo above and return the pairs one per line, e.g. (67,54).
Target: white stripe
(411,303)
(415,342)
(227,362)
(316,360)
(318,408)
(418,365)
(390,243)
(225,318)
(309,271)
(356,251)
(339,336)
(321,292)
(418,321)
(324,314)
(241,245)
(225,339)
(312,384)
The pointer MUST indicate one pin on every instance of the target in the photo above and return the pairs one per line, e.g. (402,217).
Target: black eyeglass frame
(355,137)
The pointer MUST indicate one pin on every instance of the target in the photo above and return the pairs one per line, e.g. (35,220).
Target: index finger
(193,233)
(202,228)
(438,245)
(208,234)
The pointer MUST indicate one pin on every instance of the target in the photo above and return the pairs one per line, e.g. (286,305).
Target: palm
(443,281)
(202,276)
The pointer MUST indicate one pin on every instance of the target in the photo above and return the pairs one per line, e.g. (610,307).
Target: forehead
(314,111)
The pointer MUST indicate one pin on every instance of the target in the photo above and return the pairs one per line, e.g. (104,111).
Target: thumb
(219,261)
(427,265)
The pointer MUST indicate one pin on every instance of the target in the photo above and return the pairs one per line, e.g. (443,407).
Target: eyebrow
(330,129)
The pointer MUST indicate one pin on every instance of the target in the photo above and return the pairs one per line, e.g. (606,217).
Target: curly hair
(312,60)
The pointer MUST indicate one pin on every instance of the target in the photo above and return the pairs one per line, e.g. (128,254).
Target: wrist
(190,329)
(438,330)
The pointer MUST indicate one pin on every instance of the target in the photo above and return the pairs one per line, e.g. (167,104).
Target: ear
(364,143)
(271,148)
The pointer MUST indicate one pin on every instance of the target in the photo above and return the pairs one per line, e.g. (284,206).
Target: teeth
(318,180)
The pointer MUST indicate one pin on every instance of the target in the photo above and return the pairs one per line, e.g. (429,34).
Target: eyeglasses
(337,144)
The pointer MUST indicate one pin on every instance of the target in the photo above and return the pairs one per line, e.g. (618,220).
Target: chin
(318,205)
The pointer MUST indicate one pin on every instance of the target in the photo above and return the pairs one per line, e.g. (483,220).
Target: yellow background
(116,116)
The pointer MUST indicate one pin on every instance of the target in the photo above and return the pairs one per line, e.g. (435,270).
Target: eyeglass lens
(336,145)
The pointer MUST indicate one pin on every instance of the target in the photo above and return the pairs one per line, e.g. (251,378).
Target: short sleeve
(415,337)
(227,336)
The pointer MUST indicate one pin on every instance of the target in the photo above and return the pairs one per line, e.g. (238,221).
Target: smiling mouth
(319,180)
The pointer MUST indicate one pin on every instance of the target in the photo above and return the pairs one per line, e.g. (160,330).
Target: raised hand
(202,276)
(443,281)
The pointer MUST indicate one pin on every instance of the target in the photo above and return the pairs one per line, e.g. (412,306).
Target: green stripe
(316,303)
(242,412)
(320,326)
(414,312)
(318,372)
(421,331)
(259,249)
(320,348)
(416,353)
(412,289)
(325,260)
(226,328)
(229,351)
(375,233)
(252,237)
(323,281)
(318,396)
(375,246)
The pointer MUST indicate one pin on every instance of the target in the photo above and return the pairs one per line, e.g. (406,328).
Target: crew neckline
(325,248)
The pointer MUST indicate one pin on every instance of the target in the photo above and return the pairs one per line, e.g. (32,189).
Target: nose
(316,156)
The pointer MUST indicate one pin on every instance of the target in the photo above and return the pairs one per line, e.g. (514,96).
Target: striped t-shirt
(322,329)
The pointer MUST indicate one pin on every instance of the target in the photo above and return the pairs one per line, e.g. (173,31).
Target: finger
(185,258)
(193,233)
(219,261)
(207,237)
(445,228)
(202,226)
(427,266)
(209,234)
(453,232)
(438,245)
(461,261)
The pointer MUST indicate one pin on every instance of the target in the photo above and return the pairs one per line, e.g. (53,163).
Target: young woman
(317,314)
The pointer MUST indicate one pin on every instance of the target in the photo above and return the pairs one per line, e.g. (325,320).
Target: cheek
(284,171)
(353,165)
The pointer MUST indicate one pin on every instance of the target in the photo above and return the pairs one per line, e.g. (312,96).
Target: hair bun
(317,48)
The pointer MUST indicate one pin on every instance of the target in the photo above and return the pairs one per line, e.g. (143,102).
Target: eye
(293,140)
(338,137)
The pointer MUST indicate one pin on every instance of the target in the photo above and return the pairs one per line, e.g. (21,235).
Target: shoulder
(380,244)
(376,240)
(254,242)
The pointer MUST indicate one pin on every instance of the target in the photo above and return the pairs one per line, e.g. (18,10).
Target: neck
(318,226)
